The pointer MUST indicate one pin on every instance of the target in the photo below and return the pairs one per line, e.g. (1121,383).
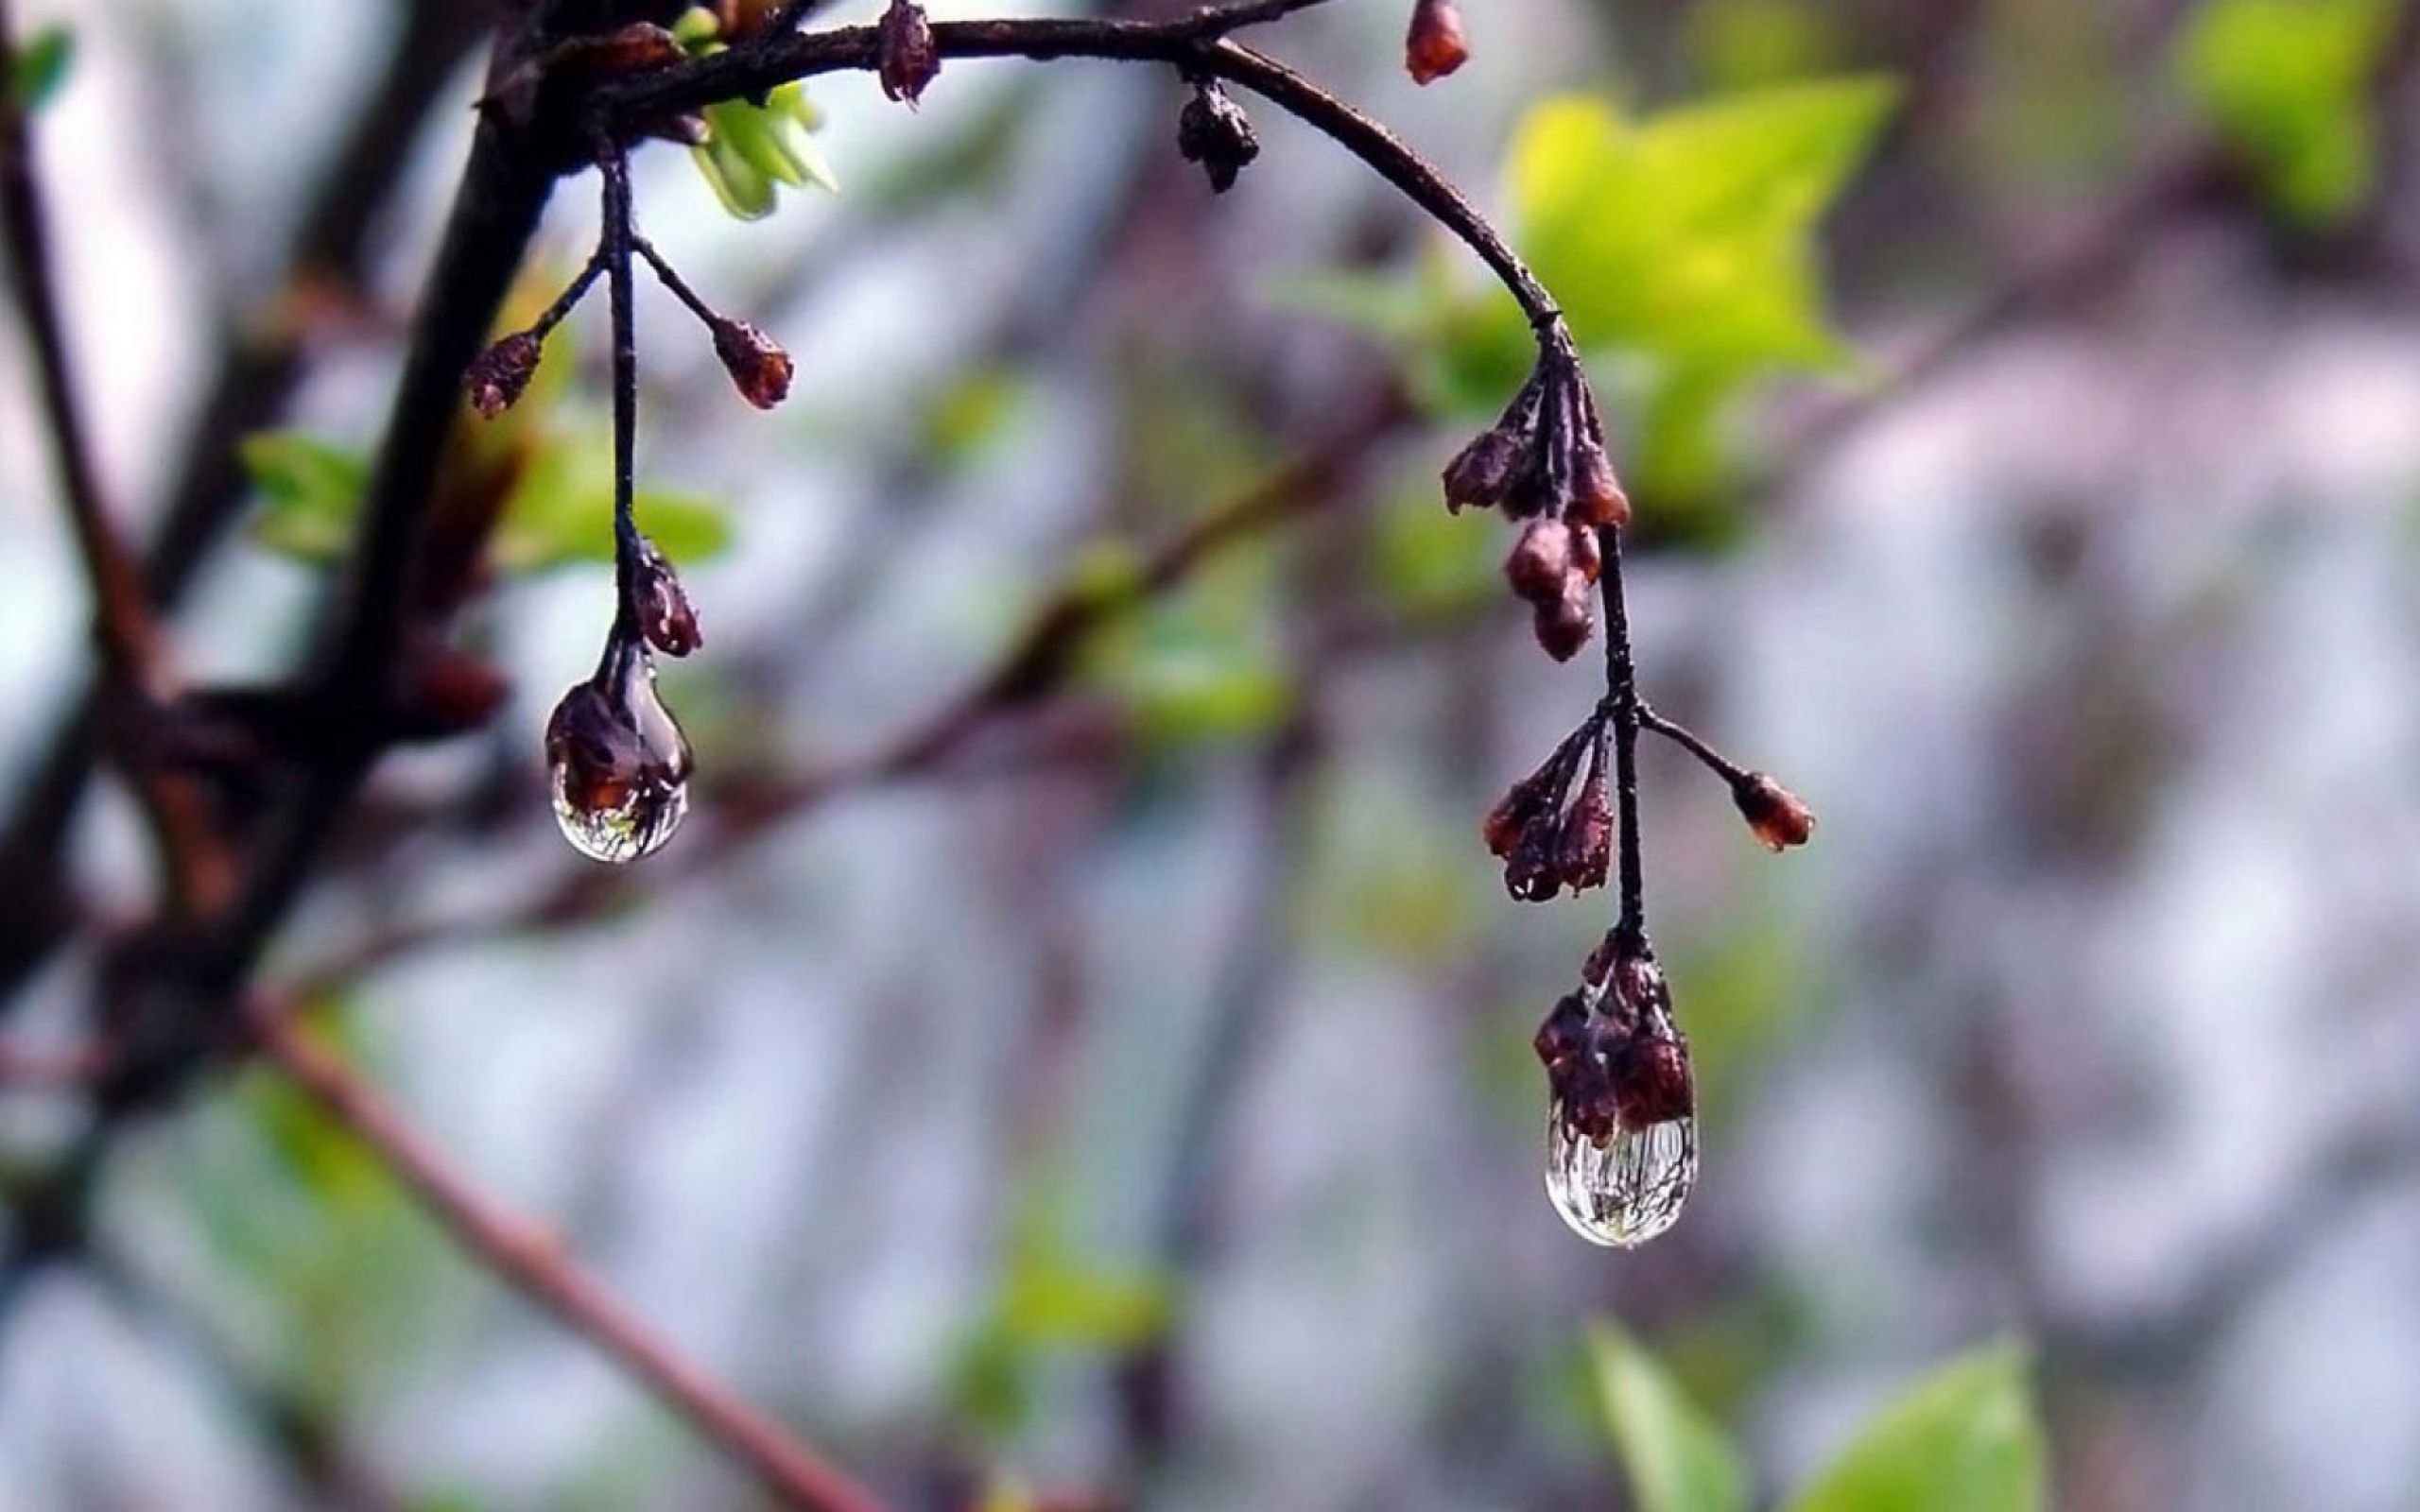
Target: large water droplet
(1627,1190)
(620,762)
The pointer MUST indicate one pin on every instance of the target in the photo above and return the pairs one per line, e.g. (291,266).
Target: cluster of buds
(1544,462)
(1434,46)
(1615,1056)
(1214,132)
(1549,836)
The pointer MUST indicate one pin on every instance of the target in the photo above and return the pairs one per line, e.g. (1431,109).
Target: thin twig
(536,1264)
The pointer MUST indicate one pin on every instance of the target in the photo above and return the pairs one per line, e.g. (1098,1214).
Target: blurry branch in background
(1037,662)
(123,623)
(261,362)
(536,1265)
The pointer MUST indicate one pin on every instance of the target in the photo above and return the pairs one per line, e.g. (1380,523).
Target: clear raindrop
(620,764)
(1627,1190)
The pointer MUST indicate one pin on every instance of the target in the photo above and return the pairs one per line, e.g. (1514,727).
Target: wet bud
(665,615)
(1564,1032)
(1537,798)
(1652,1083)
(1481,475)
(1435,47)
(497,376)
(1596,497)
(759,369)
(1214,132)
(1779,816)
(1531,873)
(904,57)
(1587,552)
(1540,561)
(620,766)
(1585,848)
(1563,625)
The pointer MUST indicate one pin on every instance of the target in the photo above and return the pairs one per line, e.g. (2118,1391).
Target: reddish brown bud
(497,376)
(1780,818)
(1214,132)
(1597,495)
(1585,848)
(1563,625)
(1537,798)
(666,620)
(1531,873)
(1587,552)
(904,56)
(1650,1079)
(1434,47)
(759,369)
(1540,561)
(1481,475)
(1564,1032)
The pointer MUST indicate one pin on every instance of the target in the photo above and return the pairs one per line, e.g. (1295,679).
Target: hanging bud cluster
(1621,1130)
(1544,462)
(1434,46)
(1214,132)
(1555,828)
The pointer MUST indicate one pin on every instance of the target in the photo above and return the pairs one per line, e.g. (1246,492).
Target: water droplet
(620,765)
(1627,1190)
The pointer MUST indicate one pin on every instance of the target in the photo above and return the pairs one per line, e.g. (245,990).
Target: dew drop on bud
(1627,1189)
(619,764)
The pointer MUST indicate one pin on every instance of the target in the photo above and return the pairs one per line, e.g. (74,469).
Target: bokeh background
(1133,1104)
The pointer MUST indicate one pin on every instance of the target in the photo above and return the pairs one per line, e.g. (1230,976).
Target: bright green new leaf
(1965,1436)
(751,149)
(2286,82)
(310,491)
(1675,1459)
(41,66)
(1688,236)
(562,513)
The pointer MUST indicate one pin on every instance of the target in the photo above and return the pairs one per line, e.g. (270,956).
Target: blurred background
(1124,1097)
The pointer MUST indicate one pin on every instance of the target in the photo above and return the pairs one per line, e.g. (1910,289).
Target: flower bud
(666,620)
(1564,623)
(759,369)
(1585,848)
(496,377)
(1596,497)
(1780,818)
(1481,475)
(1434,47)
(1214,132)
(1564,1034)
(1587,552)
(1540,561)
(904,57)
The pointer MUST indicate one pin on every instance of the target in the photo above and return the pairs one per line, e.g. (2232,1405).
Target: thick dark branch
(536,1265)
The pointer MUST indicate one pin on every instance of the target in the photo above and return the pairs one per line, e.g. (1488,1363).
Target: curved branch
(537,1266)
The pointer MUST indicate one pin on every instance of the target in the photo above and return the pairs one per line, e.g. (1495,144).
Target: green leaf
(41,66)
(310,491)
(1965,1436)
(562,513)
(750,149)
(1677,1461)
(2286,82)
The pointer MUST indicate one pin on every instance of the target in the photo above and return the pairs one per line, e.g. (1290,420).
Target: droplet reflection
(1626,1190)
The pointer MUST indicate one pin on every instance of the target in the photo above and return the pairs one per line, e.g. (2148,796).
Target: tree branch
(536,1265)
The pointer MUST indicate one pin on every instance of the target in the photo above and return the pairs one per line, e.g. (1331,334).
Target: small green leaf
(2286,82)
(751,149)
(1677,1461)
(562,512)
(42,67)
(310,491)
(1965,1436)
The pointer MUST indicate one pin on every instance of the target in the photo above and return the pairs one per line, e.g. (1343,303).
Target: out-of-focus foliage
(1677,1460)
(750,150)
(1681,249)
(2287,83)
(1965,1436)
(41,66)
